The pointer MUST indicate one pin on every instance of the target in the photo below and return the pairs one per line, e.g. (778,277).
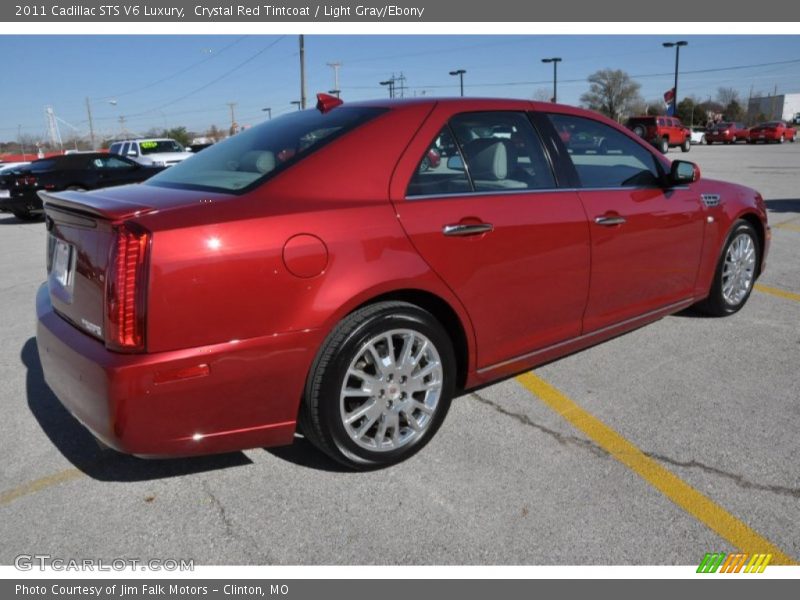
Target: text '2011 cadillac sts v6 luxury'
(319,273)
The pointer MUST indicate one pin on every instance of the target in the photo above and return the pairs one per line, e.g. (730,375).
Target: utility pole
(335,66)
(21,145)
(302,72)
(122,128)
(402,80)
(91,123)
(232,106)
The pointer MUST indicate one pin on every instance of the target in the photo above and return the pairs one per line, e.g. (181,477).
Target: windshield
(159,146)
(252,156)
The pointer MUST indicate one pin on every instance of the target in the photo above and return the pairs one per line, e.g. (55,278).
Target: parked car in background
(698,135)
(156,152)
(431,160)
(238,297)
(5,179)
(663,132)
(772,131)
(727,132)
(77,172)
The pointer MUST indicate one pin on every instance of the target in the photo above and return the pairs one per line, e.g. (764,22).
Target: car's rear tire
(663,145)
(380,386)
(687,145)
(736,272)
(24,214)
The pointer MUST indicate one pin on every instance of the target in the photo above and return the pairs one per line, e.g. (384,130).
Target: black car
(86,171)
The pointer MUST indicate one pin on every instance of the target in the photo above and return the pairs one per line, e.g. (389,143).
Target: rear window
(641,121)
(252,156)
(159,146)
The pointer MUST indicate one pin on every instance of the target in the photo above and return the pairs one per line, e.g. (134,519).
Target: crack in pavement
(580,442)
(230,531)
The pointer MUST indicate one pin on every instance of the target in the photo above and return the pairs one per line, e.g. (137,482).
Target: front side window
(484,152)
(250,157)
(606,158)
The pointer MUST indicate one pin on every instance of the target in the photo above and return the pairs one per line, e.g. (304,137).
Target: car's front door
(646,239)
(490,221)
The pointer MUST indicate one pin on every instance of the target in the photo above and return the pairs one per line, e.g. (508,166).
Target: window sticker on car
(148,145)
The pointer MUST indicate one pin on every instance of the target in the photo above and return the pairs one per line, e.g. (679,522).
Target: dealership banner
(428,11)
(388,589)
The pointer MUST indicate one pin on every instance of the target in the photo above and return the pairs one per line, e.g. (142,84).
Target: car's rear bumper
(144,404)
(29,202)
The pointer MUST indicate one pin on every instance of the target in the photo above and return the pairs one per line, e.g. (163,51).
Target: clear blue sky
(159,81)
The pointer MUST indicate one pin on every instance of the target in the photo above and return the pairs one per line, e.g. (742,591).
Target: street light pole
(677,46)
(298,104)
(555,60)
(268,111)
(390,83)
(460,73)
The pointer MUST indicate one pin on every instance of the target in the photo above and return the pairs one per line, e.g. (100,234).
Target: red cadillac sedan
(772,131)
(282,281)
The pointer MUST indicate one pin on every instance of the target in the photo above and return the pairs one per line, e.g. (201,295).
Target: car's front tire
(663,145)
(380,387)
(736,272)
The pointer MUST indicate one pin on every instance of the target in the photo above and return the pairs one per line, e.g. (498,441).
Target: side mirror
(683,171)
(455,163)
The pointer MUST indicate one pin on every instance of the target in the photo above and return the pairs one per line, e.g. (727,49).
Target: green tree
(688,113)
(612,92)
(179,134)
(734,111)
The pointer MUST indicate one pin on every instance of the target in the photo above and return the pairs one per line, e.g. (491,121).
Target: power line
(144,87)
(212,82)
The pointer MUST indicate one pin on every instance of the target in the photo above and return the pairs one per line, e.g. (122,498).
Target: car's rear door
(512,246)
(646,239)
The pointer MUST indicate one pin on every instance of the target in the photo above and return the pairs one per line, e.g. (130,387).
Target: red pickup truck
(663,132)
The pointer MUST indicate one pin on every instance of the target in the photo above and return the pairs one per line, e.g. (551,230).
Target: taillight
(126,288)
(25,180)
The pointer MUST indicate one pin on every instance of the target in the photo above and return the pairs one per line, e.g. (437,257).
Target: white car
(698,135)
(156,152)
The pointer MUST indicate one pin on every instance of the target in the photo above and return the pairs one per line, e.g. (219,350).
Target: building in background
(785,107)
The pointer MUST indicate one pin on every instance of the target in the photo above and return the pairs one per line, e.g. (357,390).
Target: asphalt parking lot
(675,440)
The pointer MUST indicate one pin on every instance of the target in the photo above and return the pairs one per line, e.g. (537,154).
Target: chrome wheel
(391,390)
(739,269)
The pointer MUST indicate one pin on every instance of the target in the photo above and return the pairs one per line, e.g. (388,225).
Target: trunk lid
(83,234)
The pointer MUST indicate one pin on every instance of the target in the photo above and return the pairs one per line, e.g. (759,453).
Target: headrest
(257,161)
(487,159)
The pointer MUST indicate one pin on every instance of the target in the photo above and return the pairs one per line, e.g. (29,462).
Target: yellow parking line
(38,485)
(787,225)
(777,292)
(705,510)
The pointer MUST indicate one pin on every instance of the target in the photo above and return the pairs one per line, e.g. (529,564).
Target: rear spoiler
(92,204)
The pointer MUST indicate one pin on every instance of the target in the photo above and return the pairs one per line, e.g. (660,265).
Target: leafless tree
(612,92)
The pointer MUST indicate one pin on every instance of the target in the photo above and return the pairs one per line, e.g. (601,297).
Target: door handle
(464,229)
(609,221)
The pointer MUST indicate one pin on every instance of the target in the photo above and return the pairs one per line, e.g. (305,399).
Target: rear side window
(484,152)
(254,155)
(606,158)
